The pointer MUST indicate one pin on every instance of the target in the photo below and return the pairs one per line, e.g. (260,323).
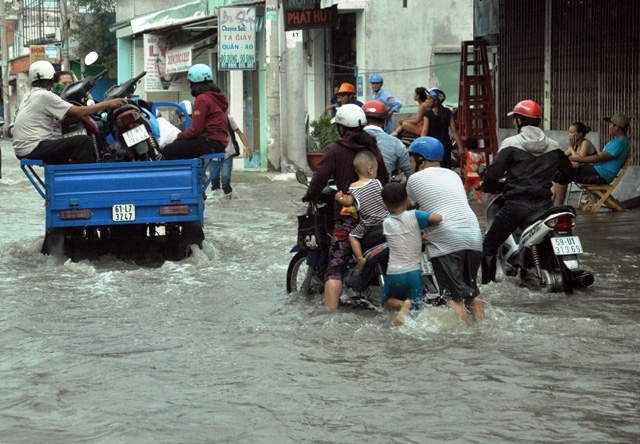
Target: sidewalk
(610,233)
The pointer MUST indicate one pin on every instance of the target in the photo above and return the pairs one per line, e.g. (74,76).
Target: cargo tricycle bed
(124,208)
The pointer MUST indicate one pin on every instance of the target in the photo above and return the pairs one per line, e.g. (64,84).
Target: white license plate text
(136,135)
(566,245)
(123,212)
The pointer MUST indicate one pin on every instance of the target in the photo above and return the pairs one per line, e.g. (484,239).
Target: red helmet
(375,108)
(527,108)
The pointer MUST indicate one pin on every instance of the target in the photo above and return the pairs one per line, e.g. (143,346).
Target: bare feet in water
(406,306)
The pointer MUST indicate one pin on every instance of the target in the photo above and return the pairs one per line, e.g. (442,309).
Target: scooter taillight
(128,117)
(561,223)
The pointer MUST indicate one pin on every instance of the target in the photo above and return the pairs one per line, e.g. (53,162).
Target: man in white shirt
(33,129)
(455,245)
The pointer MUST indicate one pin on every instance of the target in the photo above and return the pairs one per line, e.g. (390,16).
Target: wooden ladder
(476,104)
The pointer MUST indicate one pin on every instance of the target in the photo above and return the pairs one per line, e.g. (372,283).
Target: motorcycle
(77,93)
(545,253)
(130,126)
(306,271)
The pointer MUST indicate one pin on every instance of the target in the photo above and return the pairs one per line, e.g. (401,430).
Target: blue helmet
(427,147)
(376,78)
(437,95)
(200,73)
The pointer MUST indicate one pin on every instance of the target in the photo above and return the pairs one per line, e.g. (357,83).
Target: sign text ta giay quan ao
(237,37)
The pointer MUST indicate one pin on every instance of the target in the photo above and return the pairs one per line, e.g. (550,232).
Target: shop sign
(50,53)
(179,59)
(156,48)
(237,38)
(307,14)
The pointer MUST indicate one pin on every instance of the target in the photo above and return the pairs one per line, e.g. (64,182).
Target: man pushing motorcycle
(337,164)
(530,162)
(33,129)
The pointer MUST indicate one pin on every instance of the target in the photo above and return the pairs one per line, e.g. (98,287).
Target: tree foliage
(91,20)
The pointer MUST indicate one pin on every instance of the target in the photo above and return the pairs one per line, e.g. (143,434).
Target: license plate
(80,132)
(136,135)
(566,245)
(123,212)
(427,268)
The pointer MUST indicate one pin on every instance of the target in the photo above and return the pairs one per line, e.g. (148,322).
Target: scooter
(306,271)
(130,126)
(77,93)
(545,254)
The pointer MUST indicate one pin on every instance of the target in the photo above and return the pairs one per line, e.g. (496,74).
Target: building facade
(578,58)
(296,69)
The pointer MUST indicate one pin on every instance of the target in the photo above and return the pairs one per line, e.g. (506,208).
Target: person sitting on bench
(601,168)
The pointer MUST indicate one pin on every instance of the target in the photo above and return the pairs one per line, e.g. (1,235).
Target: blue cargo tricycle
(124,208)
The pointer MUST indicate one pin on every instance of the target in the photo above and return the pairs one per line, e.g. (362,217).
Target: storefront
(166,43)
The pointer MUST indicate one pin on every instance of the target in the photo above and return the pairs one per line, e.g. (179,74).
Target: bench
(599,195)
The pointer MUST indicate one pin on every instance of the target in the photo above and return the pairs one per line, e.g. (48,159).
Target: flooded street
(212,349)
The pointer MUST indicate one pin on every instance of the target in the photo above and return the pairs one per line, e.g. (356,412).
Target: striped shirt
(368,199)
(439,190)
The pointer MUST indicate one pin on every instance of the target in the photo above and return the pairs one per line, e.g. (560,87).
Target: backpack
(232,139)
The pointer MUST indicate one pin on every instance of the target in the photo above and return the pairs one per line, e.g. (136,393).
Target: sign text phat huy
(306,14)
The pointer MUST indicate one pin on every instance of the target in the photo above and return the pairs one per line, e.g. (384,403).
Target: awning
(178,15)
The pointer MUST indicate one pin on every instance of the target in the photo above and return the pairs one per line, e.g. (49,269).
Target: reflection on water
(212,349)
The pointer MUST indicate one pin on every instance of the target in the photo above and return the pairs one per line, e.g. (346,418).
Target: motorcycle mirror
(90,58)
(301,177)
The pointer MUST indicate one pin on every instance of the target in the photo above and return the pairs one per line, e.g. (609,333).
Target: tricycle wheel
(191,234)
(53,242)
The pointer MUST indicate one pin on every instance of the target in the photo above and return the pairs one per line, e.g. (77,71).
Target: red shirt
(209,118)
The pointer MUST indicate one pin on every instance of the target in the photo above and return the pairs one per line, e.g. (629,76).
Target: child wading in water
(365,195)
(403,282)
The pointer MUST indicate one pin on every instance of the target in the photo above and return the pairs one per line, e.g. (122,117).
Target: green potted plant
(323,133)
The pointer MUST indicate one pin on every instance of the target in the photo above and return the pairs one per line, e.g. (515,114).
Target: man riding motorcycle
(530,161)
(394,152)
(337,163)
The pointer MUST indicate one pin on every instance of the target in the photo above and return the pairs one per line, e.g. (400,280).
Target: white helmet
(41,70)
(188,106)
(350,115)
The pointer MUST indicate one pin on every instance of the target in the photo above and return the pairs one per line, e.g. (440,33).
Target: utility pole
(5,69)
(64,37)
(274,139)
(295,146)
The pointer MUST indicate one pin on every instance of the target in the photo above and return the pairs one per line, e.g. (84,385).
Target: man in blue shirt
(603,167)
(393,105)
(347,94)
(394,153)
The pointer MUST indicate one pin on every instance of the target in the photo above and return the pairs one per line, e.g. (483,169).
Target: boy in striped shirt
(366,195)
